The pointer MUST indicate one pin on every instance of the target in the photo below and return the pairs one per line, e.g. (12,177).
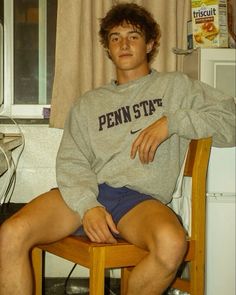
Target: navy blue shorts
(117,201)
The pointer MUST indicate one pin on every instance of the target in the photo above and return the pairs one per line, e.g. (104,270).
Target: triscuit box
(209,21)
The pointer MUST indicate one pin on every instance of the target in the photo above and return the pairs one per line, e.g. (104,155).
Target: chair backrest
(196,167)
(192,275)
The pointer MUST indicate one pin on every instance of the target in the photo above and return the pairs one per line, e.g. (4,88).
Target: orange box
(209,23)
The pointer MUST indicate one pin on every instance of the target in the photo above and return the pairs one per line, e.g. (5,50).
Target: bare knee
(14,234)
(169,248)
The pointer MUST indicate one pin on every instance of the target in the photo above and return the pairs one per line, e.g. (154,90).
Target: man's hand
(98,225)
(149,139)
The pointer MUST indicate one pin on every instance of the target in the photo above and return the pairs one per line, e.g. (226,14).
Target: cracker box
(209,23)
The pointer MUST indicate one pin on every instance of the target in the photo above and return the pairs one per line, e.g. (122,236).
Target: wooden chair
(98,257)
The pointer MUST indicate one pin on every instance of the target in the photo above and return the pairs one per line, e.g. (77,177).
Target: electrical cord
(8,178)
(68,278)
(12,183)
(109,290)
(9,186)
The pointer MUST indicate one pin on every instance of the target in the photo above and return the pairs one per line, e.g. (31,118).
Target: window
(29,36)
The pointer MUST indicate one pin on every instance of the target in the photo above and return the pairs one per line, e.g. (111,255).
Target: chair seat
(116,255)
(126,253)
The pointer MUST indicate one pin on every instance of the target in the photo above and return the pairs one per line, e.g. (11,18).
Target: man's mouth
(125,55)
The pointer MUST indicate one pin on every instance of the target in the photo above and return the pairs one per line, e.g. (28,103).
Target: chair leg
(97,271)
(37,264)
(197,279)
(125,272)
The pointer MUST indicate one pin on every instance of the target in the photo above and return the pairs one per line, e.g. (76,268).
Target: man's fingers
(149,139)
(146,147)
(93,235)
(97,223)
(135,145)
(100,235)
(148,150)
(111,224)
(152,152)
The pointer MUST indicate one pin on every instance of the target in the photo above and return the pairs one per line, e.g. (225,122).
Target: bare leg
(45,219)
(153,226)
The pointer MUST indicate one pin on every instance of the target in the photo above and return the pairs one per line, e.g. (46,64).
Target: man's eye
(134,37)
(114,39)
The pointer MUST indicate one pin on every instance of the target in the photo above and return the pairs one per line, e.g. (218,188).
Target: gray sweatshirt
(104,122)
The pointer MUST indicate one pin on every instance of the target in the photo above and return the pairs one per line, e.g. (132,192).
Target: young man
(119,159)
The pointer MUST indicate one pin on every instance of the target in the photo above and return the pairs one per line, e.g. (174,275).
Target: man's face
(127,47)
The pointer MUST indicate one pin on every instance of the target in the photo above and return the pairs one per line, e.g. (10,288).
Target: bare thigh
(148,223)
(45,219)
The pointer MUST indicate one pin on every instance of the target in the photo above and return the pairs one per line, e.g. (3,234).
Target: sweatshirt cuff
(85,204)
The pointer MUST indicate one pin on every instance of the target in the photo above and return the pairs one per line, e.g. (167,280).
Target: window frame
(8,108)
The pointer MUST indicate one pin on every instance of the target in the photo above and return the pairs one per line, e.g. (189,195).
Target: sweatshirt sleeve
(202,112)
(76,179)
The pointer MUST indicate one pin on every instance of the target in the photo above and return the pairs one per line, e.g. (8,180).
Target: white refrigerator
(220,242)
(217,68)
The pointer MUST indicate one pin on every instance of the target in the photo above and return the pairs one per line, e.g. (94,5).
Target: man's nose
(124,43)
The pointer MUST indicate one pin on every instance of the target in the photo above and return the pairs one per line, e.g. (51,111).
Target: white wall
(35,175)
(36,168)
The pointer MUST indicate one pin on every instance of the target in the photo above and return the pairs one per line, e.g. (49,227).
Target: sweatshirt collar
(133,82)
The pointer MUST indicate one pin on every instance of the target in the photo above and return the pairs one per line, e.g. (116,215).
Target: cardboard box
(209,23)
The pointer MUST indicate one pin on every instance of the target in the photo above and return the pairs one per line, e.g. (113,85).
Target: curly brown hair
(135,15)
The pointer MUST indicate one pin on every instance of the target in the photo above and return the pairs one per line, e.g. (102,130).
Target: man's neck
(131,75)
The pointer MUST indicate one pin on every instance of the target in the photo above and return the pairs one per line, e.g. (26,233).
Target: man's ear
(150,46)
(108,53)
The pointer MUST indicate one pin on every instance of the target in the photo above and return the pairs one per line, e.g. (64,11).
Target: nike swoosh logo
(135,131)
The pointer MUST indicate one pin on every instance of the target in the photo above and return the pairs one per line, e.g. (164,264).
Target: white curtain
(81,63)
